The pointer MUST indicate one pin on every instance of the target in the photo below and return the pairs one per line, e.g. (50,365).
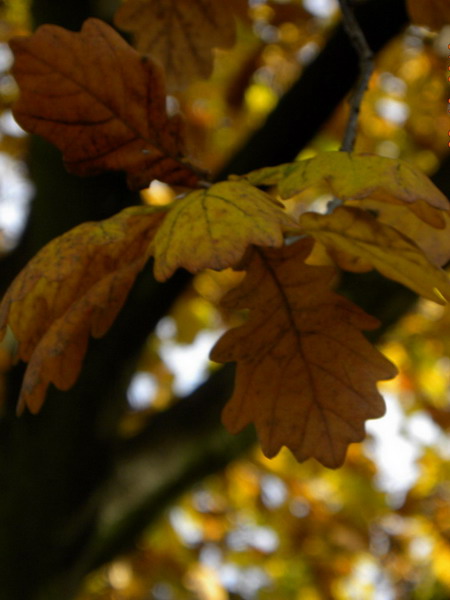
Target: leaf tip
(161,271)
(440,298)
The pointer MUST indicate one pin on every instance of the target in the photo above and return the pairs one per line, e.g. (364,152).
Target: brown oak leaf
(74,287)
(100,103)
(431,13)
(181,34)
(306,376)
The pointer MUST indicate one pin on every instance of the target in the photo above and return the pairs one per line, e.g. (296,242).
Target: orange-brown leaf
(100,103)
(432,13)
(306,376)
(180,34)
(74,287)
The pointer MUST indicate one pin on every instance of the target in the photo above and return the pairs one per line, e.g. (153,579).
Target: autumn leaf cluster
(306,375)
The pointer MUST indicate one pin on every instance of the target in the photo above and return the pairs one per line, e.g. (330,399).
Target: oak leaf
(100,103)
(352,176)
(357,233)
(212,228)
(306,376)
(74,287)
(180,34)
(431,13)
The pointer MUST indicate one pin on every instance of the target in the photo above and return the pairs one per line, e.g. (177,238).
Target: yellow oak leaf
(74,287)
(100,103)
(357,233)
(431,13)
(212,228)
(306,375)
(180,34)
(351,176)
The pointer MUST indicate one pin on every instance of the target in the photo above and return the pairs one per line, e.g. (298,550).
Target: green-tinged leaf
(351,176)
(212,228)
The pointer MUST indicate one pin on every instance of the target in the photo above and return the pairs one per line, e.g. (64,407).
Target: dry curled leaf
(306,376)
(74,287)
(431,13)
(180,34)
(212,228)
(356,233)
(435,243)
(100,103)
(351,176)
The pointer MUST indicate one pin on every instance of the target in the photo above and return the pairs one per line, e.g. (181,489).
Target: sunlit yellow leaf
(350,176)
(306,376)
(212,228)
(441,557)
(357,233)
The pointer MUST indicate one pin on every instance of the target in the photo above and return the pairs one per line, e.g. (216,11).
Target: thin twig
(366,66)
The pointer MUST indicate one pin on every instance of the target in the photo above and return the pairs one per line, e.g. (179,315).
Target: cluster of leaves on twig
(306,375)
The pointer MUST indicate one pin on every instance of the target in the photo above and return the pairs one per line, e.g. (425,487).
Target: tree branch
(366,66)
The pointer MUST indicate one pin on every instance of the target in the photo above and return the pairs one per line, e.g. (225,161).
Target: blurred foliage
(378,528)
(14,188)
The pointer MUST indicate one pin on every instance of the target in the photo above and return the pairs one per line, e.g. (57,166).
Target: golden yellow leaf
(212,228)
(351,176)
(355,232)
(74,287)
(432,13)
(180,34)
(100,103)
(306,376)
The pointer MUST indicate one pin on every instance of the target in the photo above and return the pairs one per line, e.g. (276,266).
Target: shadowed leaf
(212,228)
(74,287)
(306,376)
(93,97)
(356,233)
(180,34)
(435,243)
